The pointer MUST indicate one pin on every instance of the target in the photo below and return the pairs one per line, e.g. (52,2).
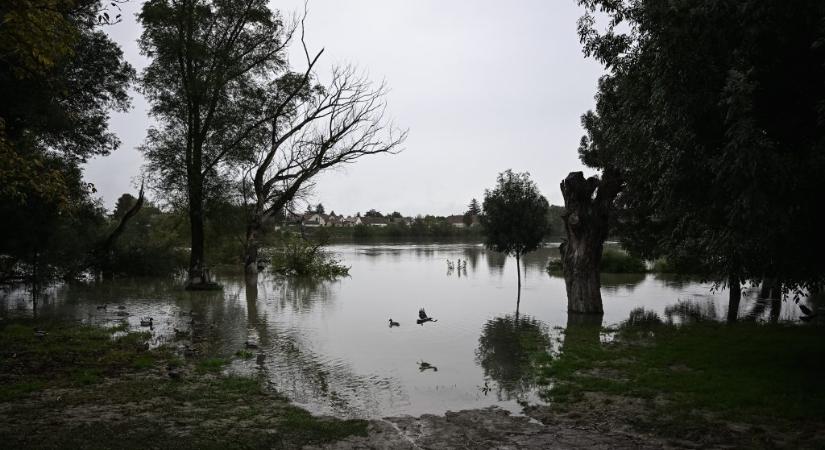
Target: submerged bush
(613,261)
(554,265)
(642,318)
(618,261)
(302,258)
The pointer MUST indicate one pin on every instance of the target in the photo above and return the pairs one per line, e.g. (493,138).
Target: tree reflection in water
(508,349)
(301,294)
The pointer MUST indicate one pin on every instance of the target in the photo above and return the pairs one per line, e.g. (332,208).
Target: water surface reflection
(327,344)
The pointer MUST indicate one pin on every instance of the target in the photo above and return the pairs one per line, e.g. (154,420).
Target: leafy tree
(515,216)
(210,66)
(319,209)
(60,76)
(716,132)
(373,213)
(123,204)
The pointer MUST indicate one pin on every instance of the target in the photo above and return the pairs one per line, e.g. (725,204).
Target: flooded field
(328,345)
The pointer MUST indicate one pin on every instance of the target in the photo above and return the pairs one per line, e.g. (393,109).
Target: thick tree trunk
(588,203)
(735,290)
(252,246)
(199,277)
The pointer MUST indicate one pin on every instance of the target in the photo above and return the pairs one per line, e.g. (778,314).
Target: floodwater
(328,346)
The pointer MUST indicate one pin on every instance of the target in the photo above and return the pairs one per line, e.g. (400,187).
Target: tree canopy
(711,114)
(60,76)
(515,215)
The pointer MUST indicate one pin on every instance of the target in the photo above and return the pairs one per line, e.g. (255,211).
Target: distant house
(314,220)
(351,221)
(334,220)
(375,221)
(456,221)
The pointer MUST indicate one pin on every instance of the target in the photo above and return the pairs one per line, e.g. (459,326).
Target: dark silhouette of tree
(515,216)
(311,128)
(211,64)
(474,209)
(319,208)
(60,76)
(716,133)
(373,213)
(588,204)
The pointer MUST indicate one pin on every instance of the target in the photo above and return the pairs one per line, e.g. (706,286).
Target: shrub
(306,259)
(618,261)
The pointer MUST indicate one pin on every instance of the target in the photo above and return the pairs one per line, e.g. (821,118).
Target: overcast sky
(482,86)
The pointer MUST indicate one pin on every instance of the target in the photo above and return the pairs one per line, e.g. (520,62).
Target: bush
(618,261)
(306,259)
(554,265)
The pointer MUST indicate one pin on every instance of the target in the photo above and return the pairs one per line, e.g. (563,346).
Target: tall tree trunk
(197,274)
(252,245)
(518,269)
(588,203)
(733,301)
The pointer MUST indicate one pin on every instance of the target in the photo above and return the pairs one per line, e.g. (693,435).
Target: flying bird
(422,317)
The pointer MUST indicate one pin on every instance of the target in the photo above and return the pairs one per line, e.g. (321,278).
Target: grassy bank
(88,387)
(747,385)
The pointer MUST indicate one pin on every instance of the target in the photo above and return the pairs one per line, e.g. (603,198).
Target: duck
(102,306)
(422,317)
(250,345)
(393,323)
(146,321)
(422,366)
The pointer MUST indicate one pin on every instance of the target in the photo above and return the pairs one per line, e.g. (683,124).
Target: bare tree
(313,128)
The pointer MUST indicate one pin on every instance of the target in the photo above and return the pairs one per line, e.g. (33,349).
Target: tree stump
(588,203)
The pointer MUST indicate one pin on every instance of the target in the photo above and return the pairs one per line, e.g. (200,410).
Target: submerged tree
(212,62)
(588,204)
(717,133)
(312,128)
(515,216)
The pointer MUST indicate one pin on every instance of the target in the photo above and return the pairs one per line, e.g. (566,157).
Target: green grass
(760,374)
(211,364)
(244,354)
(118,395)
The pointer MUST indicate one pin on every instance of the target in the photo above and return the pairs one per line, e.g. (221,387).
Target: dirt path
(490,428)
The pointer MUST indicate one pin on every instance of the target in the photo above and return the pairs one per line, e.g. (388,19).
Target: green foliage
(298,257)
(515,215)
(689,376)
(716,131)
(212,65)
(60,76)
(151,243)
(619,261)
